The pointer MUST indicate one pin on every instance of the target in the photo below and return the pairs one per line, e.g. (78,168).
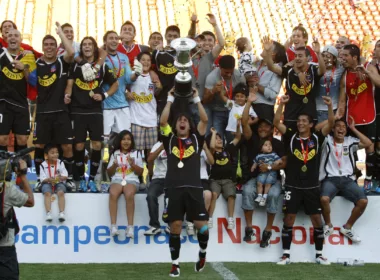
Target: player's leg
(329,189)
(129,193)
(96,136)
(79,123)
(6,121)
(207,194)
(115,191)
(21,127)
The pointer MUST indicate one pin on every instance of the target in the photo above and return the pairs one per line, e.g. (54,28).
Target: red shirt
(360,99)
(291,55)
(26,47)
(136,49)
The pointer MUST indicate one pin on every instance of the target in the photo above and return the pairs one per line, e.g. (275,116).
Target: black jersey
(13,85)
(81,101)
(190,174)
(297,93)
(222,167)
(51,85)
(297,175)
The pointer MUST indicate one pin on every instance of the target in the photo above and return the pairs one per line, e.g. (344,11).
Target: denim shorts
(129,182)
(346,187)
(250,192)
(269,177)
(48,188)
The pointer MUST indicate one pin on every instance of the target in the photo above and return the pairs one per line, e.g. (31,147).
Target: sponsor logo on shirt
(45,81)
(188,152)
(142,98)
(299,155)
(360,89)
(168,70)
(301,90)
(222,161)
(85,85)
(127,171)
(13,74)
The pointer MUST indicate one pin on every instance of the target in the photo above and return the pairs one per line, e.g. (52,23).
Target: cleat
(349,233)
(200,264)
(249,233)
(114,231)
(175,271)
(231,223)
(61,217)
(48,218)
(129,232)
(263,202)
(92,186)
(152,231)
(284,260)
(258,199)
(328,230)
(210,223)
(190,229)
(321,260)
(265,240)
(82,186)
(37,186)
(367,186)
(70,184)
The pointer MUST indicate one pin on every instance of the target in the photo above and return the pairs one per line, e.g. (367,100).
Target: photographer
(10,196)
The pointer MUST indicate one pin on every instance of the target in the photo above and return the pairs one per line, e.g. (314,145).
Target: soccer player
(86,109)
(302,176)
(183,146)
(302,92)
(299,39)
(53,123)
(127,45)
(68,30)
(337,175)
(156,41)
(357,90)
(376,63)
(14,109)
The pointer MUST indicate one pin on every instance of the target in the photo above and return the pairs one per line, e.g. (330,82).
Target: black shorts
(206,185)
(15,119)
(377,128)
(91,123)
(309,198)
(368,130)
(8,263)
(187,201)
(53,128)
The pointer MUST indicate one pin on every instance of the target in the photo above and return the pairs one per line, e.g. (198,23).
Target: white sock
(176,262)
(260,194)
(265,195)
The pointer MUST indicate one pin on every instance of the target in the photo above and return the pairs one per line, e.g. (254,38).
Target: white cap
(331,49)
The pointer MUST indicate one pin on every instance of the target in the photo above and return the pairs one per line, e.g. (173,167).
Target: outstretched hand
(284,99)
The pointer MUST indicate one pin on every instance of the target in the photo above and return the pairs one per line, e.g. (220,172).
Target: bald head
(341,42)
(14,39)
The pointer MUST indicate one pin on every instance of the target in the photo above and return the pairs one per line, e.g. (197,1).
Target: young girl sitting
(266,179)
(124,167)
(53,175)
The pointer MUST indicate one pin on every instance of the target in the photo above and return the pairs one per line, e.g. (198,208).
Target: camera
(10,162)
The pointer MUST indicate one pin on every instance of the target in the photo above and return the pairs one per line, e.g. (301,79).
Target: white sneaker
(190,229)
(284,261)
(231,223)
(48,218)
(321,260)
(129,232)
(167,230)
(114,231)
(152,231)
(258,199)
(210,223)
(328,230)
(349,233)
(263,202)
(61,217)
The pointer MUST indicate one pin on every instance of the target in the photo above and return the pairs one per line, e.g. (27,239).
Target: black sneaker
(175,271)
(200,264)
(249,233)
(265,239)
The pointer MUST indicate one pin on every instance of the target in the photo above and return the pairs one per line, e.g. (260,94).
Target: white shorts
(116,120)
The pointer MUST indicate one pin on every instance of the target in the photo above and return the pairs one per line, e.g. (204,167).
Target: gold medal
(123,183)
(91,93)
(180,164)
(304,168)
(305,100)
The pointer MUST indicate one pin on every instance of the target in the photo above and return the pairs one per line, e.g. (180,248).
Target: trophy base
(183,89)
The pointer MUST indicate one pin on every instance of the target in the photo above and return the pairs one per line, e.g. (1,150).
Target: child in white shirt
(53,175)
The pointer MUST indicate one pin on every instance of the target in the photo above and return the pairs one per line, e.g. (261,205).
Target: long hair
(94,43)
(120,137)
(280,53)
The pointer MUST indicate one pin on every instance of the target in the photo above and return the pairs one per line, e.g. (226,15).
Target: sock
(95,160)
(286,236)
(175,246)
(69,166)
(79,162)
(319,237)
(370,163)
(4,148)
(265,195)
(202,240)
(20,147)
(38,159)
(260,195)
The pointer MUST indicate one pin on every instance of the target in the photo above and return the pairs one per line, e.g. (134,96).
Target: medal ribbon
(305,153)
(261,65)
(55,171)
(123,167)
(304,87)
(327,85)
(338,157)
(113,65)
(181,149)
(229,91)
(196,69)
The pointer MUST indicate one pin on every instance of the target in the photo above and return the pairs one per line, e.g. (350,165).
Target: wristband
(196,100)
(105,94)
(170,99)
(97,67)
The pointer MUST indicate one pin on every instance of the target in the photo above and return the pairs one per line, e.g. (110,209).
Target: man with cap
(264,131)
(222,79)
(329,84)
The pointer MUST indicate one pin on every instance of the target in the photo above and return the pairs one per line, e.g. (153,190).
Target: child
(247,58)
(223,172)
(125,165)
(53,175)
(266,179)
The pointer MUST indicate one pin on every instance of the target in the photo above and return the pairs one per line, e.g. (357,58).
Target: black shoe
(175,271)
(265,239)
(200,265)
(249,233)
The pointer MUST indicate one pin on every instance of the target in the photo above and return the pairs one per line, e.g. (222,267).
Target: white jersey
(204,162)
(56,169)
(123,163)
(143,107)
(160,163)
(236,112)
(61,51)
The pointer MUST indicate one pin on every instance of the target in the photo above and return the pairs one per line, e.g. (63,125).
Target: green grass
(160,271)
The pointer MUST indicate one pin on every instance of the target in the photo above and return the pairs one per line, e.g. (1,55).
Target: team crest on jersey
(188,141)
(301,90)
(345,151)
(311,144)
(188,152)
(299,155)
(53,69)
(151,88)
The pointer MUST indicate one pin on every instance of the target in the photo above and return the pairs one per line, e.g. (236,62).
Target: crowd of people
(119,94)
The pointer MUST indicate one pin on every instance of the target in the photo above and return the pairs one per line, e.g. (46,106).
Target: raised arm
(321,61)
(267,55)
(193,26)
(365,142)
(237,134)
(213,140)
(219,36)
(69,54)
(326,129)
(154,154)
(166,112)
(277,117)
(371,72)
(247,131)
(210,158)
(342,98)
(202,125)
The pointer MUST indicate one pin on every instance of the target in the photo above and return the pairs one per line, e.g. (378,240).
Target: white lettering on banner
(85,236)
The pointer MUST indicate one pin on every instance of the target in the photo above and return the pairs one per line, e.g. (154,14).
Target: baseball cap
(201,36)
(264,121)
(331,49)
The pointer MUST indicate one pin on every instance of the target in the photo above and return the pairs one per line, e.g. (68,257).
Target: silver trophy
(182,84)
